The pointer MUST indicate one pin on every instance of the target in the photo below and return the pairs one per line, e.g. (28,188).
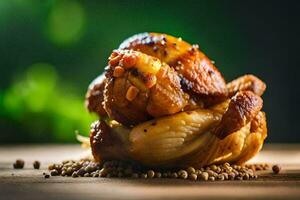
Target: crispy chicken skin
(157,89)
(243,108)
(197,72)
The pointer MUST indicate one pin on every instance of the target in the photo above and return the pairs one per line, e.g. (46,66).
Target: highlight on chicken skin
(198,74)
(163,103)
(146,88)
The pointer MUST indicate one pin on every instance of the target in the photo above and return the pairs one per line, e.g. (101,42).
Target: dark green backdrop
(50,51)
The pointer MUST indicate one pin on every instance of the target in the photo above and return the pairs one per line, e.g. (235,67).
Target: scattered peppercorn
(74,175)
(193,177)
(36,164)
(191,170)
(204,176)
(183,174)
(174,175)
(151,174)
(143,175)
(54,172)
(276,169)
(158,175)
(19,164)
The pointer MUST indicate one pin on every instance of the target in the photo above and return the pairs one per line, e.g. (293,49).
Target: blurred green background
(51,50)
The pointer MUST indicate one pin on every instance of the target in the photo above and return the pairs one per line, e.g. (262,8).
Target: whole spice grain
(151,174)
(143,176)
(276,169)
(183,174)
(191,170)
(54,172)
(36,164)
(204,176)
(193,177)
(74,175)
(19,164)
(174,175)
(157,175)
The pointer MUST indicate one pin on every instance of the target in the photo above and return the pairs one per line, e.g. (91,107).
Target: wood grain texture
(30,184)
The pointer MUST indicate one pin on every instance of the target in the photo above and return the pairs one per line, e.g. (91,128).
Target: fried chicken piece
(119,108)
(147,88)
(187,80)
(198,73)
(173,107)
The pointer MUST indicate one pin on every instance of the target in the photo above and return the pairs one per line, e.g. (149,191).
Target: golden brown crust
(259,123)
(242,109)
(94,97)
(255,140)
(105,144)
(198,73)
(162,46)
(164,97)
(121,109)
(246,82)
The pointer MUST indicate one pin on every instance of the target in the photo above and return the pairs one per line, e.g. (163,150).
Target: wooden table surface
(30,184)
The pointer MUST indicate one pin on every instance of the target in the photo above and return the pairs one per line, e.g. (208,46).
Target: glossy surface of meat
(146,89)
(197,71)
(242,109)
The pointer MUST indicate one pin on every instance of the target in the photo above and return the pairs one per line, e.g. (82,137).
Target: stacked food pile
(166,111)
(163,103)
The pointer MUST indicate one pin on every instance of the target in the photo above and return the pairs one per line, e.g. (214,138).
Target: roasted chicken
(163,103)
